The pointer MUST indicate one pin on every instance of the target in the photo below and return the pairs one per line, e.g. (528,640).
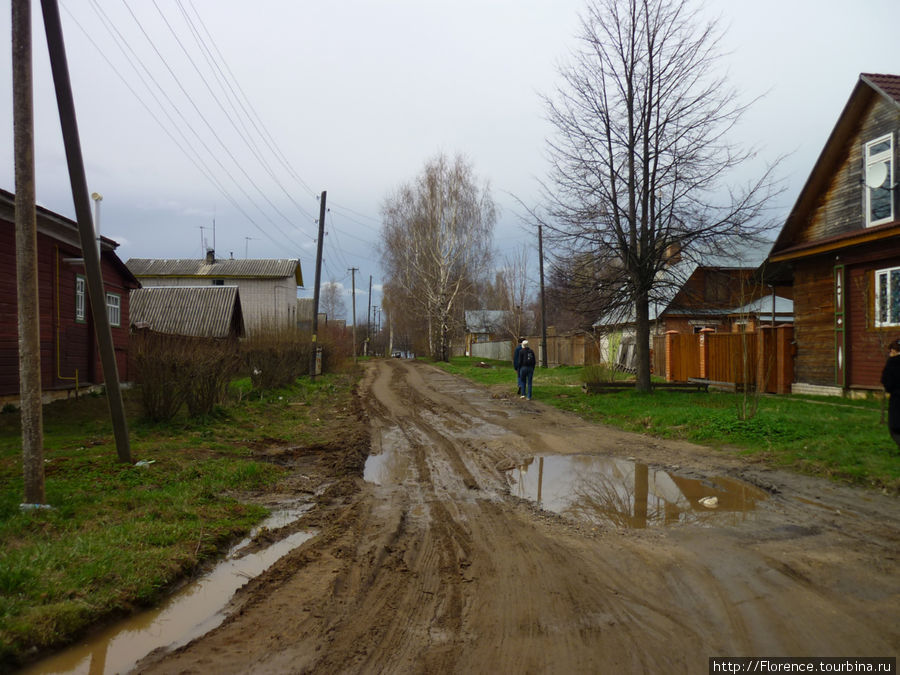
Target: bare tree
(436,243)
(332,303)
(640,157)
(510,293)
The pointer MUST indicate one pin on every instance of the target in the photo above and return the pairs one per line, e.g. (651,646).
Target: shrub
(275,356)
(177,369)
(598,373)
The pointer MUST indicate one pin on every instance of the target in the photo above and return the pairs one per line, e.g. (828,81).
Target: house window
(80,304)
(879,180)
(218,282)
(114,309)
(887,297)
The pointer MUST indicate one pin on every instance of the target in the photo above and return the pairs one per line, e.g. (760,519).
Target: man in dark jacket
(890,378)
(516,364)
(527,362)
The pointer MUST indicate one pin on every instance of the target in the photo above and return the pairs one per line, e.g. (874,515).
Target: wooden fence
(761,360)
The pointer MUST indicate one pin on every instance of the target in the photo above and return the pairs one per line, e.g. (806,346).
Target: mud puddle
(388,467)
(188,614)
(603,490)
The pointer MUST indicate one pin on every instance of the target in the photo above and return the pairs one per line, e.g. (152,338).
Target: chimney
(210,256)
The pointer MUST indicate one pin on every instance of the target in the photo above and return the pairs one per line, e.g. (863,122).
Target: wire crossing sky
(201,112)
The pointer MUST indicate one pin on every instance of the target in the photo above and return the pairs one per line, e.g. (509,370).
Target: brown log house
(69,353)
(840,247)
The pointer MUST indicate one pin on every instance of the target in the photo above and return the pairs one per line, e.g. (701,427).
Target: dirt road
(434,565)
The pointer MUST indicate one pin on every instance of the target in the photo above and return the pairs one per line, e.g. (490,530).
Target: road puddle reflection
(187,614)
(388,467)
(603,490)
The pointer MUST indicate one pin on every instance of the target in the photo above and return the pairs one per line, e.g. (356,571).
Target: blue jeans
(526,374)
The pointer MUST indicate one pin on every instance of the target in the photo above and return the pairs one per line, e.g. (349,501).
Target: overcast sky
(200,111)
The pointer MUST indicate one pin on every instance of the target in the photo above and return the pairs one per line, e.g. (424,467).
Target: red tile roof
(889,85)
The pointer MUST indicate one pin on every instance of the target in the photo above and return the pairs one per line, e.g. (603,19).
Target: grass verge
(839,438)
(118,536)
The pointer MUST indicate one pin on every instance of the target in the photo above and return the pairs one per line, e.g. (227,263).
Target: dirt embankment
(434,566)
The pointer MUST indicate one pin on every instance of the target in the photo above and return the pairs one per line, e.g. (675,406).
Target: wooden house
(840,247)
(69,355)
(687,299)
(268,288)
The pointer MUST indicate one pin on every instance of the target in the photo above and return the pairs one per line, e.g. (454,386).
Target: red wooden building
(69,355)
(840,247)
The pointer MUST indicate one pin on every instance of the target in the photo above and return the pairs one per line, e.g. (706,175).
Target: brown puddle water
(188,614)
(605,490)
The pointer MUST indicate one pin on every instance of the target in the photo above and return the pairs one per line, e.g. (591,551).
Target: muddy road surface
(435,556)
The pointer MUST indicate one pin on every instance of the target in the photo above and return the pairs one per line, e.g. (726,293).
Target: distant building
(69,354)
(268,287)
(195,311)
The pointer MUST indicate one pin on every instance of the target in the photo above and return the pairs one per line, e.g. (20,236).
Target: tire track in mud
(442,570)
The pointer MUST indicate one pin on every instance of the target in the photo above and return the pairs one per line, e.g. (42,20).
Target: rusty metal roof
(237,269)
(199,311)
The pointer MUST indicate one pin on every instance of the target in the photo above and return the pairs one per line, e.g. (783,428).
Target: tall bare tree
(332,303)
(512,293)
(640,158)
(436,243)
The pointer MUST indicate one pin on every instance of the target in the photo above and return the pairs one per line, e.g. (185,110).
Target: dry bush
(207,375)
(176,369)
(337,348)
(275,356)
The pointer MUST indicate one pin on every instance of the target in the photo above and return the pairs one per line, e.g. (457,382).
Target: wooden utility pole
(89,250)
(353,271)
(26,256)
(543,304)
(315,317)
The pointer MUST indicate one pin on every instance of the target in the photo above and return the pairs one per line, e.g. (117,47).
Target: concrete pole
(315,317)
(26,256)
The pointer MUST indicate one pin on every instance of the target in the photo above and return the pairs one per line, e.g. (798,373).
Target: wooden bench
(619,385)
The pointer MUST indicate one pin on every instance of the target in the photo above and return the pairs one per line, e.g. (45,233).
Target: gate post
(670,355)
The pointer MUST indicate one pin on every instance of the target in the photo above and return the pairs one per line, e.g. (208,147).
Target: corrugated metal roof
(245,269)
(199,311)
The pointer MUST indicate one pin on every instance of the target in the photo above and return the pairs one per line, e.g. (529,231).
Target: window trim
(117,307)
(878,322)
(80,294)
(885,155)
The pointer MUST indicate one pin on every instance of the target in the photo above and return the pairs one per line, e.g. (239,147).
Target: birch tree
(641,159)
(436,244)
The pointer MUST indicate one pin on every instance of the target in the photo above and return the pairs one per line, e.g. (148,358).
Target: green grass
(839,438)
(118,536)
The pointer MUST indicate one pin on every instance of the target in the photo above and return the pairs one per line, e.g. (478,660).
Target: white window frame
(870,161)
(882,313)
(80,298)
(114,309)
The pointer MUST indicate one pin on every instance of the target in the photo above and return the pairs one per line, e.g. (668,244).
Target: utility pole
(315,317)
(353,271)
(66,103)
(247,241)
(369,317)
(26,256)
(543,304)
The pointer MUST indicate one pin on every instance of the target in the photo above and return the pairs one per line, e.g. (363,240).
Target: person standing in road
(516,355)
(527,362)
(890,378)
